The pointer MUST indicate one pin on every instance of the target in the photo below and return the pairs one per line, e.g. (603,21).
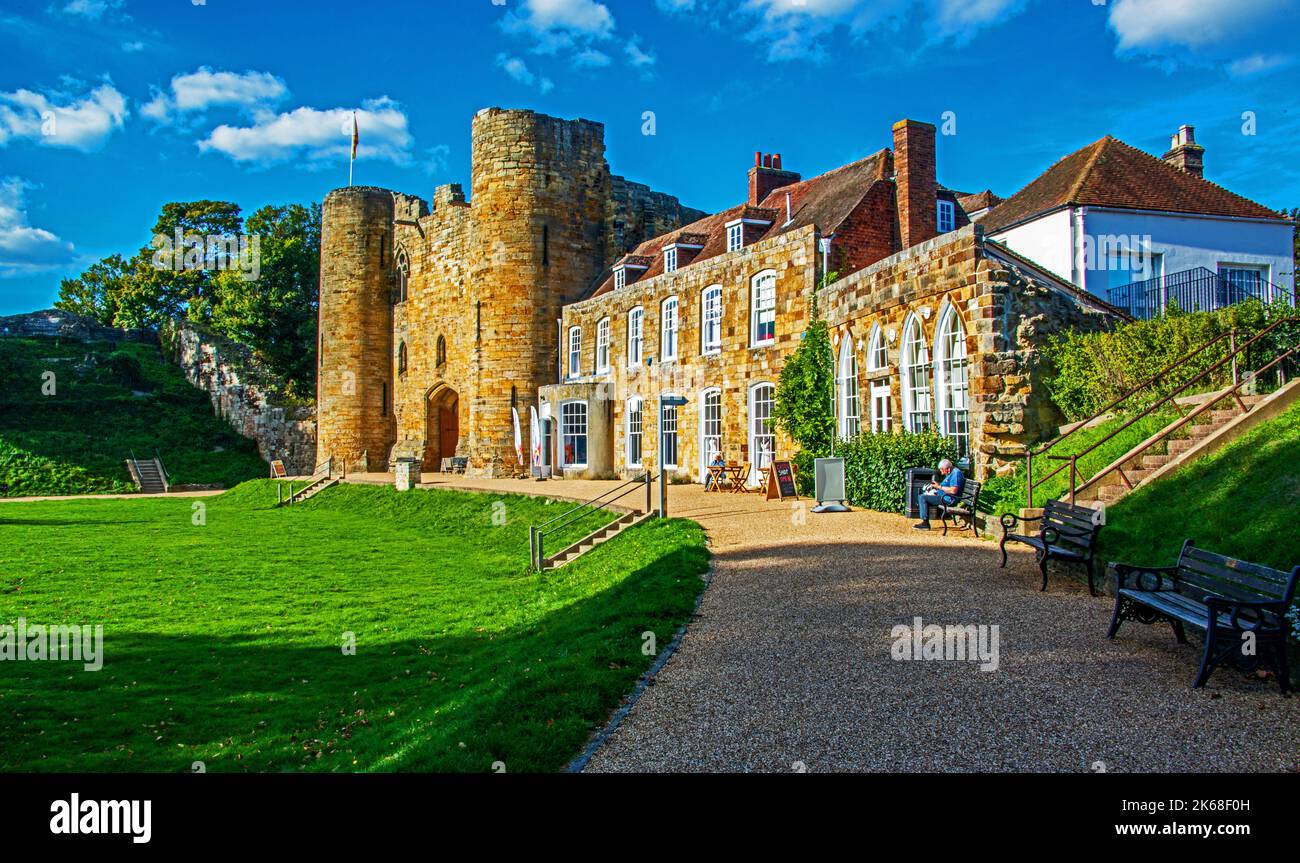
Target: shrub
(875,465)
(1090,370)
(125,369)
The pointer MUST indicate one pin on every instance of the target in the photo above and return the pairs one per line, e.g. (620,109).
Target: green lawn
(223,642)
(1241,501)
(71,413)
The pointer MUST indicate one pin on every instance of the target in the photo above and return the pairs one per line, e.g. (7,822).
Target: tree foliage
(274,314)
(803,408)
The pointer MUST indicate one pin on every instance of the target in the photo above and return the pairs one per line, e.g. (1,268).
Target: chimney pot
(776,161)
(767,160)
(758,159)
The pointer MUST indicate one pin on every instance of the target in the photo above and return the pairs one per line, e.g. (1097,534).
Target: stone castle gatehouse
(562,297)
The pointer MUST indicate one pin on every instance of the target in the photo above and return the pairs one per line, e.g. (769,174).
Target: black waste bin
(918,479)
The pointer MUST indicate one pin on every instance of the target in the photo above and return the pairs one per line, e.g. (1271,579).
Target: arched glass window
(440,353)
(846,380)
(403,265)
(711,320)
(882,408)
(602,346)
(877,353)
(914,377)
(762,430)
(401,358)
(951,375)
(668,330)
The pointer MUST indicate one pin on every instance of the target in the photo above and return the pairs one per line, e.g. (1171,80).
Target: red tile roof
(1110,173)
(825,201)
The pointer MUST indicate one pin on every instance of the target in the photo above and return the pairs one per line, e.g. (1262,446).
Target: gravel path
(788,665)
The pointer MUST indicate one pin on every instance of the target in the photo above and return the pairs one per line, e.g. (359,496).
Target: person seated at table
(716,462)
(941,492)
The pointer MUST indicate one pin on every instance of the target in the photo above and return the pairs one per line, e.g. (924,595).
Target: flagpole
(353,158)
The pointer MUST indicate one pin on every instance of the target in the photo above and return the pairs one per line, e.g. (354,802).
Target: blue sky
(109,108)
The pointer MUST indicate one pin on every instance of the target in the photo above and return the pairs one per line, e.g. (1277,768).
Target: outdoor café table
(737,473)
(718,473)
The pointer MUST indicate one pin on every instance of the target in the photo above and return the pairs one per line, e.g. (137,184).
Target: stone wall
(243,397)
(69,325)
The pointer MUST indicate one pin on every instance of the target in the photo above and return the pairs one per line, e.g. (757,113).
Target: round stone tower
(540,190)
(354,388)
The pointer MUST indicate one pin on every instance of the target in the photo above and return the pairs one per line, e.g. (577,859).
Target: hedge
(875,466)
(1087,371)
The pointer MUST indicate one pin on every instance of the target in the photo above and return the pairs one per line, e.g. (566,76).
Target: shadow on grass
(528,697)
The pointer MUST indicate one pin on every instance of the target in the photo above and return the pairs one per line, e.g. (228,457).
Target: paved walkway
(789,661)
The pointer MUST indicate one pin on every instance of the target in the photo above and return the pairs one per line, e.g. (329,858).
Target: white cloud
(202,89)
(1155,23)
(591,58)
(637,57)
(133,47)
(559,24)
(61,120)
(1258,64)
(25,250)
(313,136)
(517,69)
(91,10)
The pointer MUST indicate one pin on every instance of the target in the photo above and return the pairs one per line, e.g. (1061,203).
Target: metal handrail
(1233,350)
(537,533)
(1251,376)
(1236,384)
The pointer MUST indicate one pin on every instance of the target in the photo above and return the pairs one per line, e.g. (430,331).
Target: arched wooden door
(442,427)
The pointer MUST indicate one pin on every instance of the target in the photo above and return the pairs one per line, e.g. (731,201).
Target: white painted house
(1141,232)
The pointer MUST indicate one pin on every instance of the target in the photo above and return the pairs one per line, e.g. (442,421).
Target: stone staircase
(149,475)
(599,537)
(315,487)
(1205,433)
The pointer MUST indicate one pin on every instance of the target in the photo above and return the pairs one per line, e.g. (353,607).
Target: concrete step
(1151,461)
(1108,493)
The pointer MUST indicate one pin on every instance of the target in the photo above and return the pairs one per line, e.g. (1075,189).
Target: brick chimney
(914,177)
(767,176)
(1185,154)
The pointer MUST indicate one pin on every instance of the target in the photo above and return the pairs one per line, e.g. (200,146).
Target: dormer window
(620,278)
(947,219)
(670,260)
(735,236)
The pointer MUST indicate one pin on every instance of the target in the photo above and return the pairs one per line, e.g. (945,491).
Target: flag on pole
(356,138)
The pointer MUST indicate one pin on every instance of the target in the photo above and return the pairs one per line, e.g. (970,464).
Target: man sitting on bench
(942,492)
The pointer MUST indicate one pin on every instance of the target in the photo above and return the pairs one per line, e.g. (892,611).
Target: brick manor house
(540,321)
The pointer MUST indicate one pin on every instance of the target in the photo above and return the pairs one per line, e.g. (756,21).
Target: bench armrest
(1234,608)
(1125,571)
(1009,521)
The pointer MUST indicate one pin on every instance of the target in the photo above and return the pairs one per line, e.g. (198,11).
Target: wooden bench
(1068,532)
(1226,598)
(963,510)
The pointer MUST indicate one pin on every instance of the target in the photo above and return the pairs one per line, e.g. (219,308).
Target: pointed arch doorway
(442,426)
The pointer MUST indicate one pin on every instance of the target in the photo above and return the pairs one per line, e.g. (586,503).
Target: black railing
(537,533)
(1197,290)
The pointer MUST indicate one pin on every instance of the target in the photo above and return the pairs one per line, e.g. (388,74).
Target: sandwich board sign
(780,481)
(277,469)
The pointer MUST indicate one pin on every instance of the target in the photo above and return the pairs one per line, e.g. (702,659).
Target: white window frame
(575,352)
(635,337)
(761,428)
(711,320)
(847,402)
(670,432)
(620,278)
(670,260)
(882,408)
(735,236)
(762,303)
(708,424)
(877,350)
(952,379)
(565,416)
(602,345)
(634,424)
(945,209)
(917,404)
(669,326)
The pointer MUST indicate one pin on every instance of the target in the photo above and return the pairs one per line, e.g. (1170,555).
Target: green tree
(96,292)
(803,407)
(275,314)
